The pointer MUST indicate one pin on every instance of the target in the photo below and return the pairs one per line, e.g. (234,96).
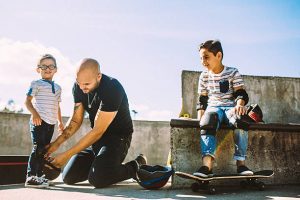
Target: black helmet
(154,177)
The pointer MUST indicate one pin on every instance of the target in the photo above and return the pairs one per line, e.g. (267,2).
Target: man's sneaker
(203,172)
(36,182)
(243,170)
(141,159)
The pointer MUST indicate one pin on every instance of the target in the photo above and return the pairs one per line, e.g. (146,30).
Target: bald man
(98,155)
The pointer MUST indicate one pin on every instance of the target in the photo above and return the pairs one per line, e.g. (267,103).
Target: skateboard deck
(203,183)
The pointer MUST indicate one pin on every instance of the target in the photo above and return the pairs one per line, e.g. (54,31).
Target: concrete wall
(278,97)
(150,137)
(275,150)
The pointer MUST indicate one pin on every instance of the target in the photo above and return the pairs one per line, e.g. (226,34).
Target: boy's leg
(241,144)
(32,167)
(240,137)
(44,139)
(78,167)
(107,168)
(210,121)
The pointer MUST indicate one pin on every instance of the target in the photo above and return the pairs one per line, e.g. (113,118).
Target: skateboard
(204,183)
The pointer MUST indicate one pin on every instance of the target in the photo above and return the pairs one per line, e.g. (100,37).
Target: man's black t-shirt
(109,96)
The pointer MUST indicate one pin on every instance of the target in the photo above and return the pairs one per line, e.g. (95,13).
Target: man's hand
(60,160)
(52,147)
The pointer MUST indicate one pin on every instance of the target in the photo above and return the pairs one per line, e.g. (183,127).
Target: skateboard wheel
(261,186)
(211,190)
(195,187)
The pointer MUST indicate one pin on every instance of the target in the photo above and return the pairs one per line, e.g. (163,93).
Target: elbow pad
(241,94)
(202,103)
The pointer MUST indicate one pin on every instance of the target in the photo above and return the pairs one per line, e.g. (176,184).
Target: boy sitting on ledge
(222,97)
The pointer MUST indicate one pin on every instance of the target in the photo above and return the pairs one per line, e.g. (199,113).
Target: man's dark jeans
(102,164)
(40,137)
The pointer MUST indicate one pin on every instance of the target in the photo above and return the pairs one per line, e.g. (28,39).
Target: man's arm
(72,126)
(102,122)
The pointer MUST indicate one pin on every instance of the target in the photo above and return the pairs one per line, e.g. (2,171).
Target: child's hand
(36,119)
(60,127)
(240,110)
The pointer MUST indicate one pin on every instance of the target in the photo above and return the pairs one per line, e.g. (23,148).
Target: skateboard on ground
(204,183)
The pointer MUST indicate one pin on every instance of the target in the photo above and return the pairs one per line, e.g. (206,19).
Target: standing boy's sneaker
(203,172)
(36,182)
(243,170)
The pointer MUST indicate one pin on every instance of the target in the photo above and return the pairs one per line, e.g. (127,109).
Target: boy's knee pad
(209,123)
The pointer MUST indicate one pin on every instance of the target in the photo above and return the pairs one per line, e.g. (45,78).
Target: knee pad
(209,123)
(241,123)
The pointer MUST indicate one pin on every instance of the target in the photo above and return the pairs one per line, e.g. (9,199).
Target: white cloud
(17,69)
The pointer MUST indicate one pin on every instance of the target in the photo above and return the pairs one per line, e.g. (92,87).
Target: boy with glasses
(45,111)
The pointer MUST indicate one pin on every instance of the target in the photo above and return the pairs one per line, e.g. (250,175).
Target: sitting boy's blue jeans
(208,141)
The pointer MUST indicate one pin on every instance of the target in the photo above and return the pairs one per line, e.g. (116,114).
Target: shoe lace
(43,179)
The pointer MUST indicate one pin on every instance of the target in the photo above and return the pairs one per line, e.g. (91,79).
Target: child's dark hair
(47,56)
(213,46)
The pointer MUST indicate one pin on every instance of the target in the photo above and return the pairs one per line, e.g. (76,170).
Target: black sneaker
(36,182)
(141,159)
(243,170)
(203,172)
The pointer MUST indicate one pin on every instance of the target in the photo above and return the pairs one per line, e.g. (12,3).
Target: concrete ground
(131,190)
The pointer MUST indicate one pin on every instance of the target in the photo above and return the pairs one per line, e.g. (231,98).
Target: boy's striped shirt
(47,96)
(209,84)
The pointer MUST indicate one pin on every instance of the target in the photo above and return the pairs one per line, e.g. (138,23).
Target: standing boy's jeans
(40,137)
(101,164)
(208,141)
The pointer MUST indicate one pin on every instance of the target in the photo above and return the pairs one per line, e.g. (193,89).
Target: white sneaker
(36,182)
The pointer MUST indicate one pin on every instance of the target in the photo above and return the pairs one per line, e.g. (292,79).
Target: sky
(145,44)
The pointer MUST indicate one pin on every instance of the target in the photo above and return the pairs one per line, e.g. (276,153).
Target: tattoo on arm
(70,130)
(76,107)
(73,124)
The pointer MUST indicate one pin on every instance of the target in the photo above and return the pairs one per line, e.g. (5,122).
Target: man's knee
(69,180)
(99,177)
(209,123)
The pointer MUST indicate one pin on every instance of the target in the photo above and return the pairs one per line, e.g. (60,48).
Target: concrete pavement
(131,190)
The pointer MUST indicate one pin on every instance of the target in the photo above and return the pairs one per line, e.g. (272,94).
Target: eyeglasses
(44,67)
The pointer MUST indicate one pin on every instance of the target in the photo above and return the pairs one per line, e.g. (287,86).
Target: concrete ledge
(271,146)
(194,123)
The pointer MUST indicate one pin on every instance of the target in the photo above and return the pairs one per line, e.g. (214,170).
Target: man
(98,155)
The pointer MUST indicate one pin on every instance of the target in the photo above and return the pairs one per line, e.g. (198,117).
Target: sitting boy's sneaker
(243,170)
(141,159)
(36,182)
(203,172)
